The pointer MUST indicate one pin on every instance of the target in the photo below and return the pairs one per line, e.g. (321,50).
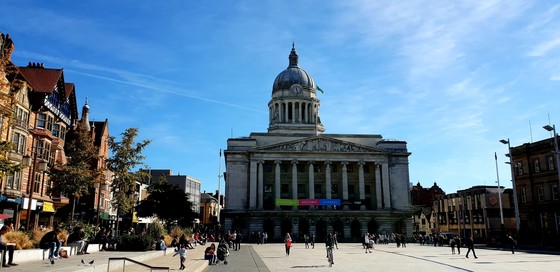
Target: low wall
(37,254)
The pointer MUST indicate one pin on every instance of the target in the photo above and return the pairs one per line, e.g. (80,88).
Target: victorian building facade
(536,176)
(297,179)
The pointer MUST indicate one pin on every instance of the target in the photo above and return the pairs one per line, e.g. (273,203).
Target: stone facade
(295,178)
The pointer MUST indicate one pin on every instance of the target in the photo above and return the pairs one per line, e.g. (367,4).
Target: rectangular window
(550,162)
(284,188)
(18,143)
(42,120)
(318,189)
(554,189)
(334,168)
(301,190)
(56,130)
(49,123)
(519,168)
(317,168)
(37,183)
(537,165)
(540,193)
(62,132)
(334,188)
(523,195)
(102,202)
(14,181)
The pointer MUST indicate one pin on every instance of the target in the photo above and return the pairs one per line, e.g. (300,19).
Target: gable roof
(69,88)
(41,79)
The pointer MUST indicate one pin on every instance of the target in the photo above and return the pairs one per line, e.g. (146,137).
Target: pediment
(319,144)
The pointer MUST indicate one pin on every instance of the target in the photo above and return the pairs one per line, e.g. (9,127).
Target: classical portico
(295,178)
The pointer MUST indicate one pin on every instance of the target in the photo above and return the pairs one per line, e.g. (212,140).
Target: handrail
(136,262)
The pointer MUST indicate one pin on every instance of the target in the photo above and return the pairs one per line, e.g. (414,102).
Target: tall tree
(126,155)
(77,176)
(10,84)
(168,202)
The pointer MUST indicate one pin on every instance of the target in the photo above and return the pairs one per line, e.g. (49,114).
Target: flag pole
(219,185)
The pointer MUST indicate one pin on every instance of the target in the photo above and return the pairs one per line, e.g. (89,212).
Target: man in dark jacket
(78,237)
(51,242)
(9,247)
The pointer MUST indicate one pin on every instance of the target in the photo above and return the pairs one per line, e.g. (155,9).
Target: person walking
(470,246)
(182,252)
(512,243)
(312,240)
(306,240)
(458,244)
(238,239)
(452,243)
(366,242)
(287,243)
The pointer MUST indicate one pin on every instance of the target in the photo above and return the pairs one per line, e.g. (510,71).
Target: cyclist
(329,243)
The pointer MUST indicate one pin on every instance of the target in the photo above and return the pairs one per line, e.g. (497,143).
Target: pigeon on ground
(83,261)
(91,262)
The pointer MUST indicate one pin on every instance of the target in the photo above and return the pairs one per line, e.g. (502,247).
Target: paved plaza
(352,257)
(349,257)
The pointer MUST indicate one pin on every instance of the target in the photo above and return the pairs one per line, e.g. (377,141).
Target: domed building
(297,179)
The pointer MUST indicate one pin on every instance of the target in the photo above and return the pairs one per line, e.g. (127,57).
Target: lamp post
(219,185)
(553,129)
(499,192)
(32,161)
(515,203)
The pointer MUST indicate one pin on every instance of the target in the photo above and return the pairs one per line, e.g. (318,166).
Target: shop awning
(104,215)
(48,207)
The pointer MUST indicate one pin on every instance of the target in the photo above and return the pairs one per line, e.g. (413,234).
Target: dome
(293,75)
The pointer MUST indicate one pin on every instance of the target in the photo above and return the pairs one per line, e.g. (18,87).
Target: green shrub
(126,242)
(155,230)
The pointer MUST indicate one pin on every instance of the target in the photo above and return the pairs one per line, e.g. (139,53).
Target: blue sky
(451,79)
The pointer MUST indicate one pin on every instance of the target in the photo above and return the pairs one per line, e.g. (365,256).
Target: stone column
(253,185)
(294,179)
(260,188)
(311,181)
(386,187)
(361,184)
(378,184)
(294,182)
(276,182)
(345,184)
(293,112)
(328,185)
(286,105)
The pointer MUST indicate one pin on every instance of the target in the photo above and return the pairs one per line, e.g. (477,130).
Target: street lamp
(219,185)
(40,166)
(553,129)
(499,192)
(515,203)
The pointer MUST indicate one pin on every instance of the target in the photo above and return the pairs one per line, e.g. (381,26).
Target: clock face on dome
(296,89)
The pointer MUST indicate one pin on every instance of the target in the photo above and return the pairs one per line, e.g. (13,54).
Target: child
(182,256)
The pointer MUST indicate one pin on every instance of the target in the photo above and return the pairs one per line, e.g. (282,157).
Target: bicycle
(330,256)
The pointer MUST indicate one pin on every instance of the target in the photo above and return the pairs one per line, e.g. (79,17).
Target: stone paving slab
(352,257)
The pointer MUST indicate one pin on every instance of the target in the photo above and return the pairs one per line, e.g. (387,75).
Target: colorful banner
(286,202)
(307,202)
(330,202)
